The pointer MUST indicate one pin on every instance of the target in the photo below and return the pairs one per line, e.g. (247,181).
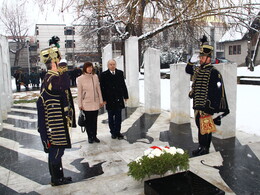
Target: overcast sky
(36,16)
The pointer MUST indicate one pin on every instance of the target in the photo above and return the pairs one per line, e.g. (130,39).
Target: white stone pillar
(107,54)
(152,81)
(180,87)
(120,63)
(228,123)
(6,98)
(132,70)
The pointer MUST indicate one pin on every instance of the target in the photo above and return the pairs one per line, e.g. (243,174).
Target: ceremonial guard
(56,113)
(208,94)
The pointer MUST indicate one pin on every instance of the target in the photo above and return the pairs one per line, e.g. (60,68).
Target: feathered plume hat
(52,52)
(205,48)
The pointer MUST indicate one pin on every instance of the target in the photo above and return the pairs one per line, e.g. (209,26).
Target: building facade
(72,47)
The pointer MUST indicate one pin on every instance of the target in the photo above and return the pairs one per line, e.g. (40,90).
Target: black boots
(200,151)
(92,140)
(57,176)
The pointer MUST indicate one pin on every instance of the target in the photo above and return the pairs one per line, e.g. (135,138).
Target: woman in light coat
(89,99)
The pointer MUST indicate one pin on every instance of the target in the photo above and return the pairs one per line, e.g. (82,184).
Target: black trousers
(55,155)
(114,121)
(204,140)
(91,123)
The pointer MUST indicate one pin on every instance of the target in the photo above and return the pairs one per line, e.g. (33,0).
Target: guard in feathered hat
(208,94)
(56,113)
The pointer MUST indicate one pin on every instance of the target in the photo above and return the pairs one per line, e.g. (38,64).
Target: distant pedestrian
(26,80)
(115,95)
(18,79)
(42,74)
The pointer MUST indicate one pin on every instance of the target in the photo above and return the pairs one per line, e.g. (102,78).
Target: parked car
(220,60)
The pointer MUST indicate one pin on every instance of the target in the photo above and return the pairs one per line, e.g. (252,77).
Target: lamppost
(28,53)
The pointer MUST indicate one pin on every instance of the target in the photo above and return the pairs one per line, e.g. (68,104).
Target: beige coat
(89,93)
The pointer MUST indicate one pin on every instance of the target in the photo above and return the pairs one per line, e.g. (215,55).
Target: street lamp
(28,53)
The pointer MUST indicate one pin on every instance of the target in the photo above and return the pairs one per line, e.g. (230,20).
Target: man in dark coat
(56,114)
(42,74)
(114,94)
(18,79)
(208,94)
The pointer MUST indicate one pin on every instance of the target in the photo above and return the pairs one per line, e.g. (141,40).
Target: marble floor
(101,168)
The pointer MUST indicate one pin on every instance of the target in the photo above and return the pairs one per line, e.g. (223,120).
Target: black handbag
(82,121)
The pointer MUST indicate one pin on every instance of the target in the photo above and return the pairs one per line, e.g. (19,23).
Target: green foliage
(25,101)
(158,165)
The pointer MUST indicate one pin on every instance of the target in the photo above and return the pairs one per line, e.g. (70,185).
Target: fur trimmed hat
(205,48)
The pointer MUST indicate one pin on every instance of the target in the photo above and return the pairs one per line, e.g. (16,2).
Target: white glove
(195,58)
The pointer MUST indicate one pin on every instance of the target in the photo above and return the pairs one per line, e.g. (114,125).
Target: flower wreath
(157,161)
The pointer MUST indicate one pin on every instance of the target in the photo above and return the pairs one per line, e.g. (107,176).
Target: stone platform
(101,168)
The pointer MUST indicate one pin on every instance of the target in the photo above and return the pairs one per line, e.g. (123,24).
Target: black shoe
(90,140)
(61,181)
(96,140)
(200,151)
(113,136)
(205,150)
(68,179)
(120,136)
(196,152)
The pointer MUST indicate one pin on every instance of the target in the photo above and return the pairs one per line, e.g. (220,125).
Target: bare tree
(127,17)
(15,23)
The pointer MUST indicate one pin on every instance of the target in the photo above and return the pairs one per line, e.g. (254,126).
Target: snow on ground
(244,71)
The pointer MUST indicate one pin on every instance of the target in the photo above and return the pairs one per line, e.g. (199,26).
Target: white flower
(138,159)
(156,152)
(172,150)
(180,151)
(150,156)
(166,150)
(148,151)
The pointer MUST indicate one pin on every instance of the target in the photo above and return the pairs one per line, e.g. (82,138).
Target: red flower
(154,147)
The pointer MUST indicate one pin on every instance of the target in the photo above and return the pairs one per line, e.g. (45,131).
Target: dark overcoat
(113,89)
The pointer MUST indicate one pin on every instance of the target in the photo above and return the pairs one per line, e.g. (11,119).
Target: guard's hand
(194,59)
(217,120)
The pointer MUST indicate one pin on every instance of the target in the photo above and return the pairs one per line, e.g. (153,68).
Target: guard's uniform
(56,114)
(208,95)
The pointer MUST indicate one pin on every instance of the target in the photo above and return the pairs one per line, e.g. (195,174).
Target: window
(234,50)
(230,50)
(37,30)
(69,43)
(69,31)
(220,46)
(239,49)
(33,48)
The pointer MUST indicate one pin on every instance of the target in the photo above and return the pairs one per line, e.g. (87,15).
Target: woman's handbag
(82,121)
(207,124)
